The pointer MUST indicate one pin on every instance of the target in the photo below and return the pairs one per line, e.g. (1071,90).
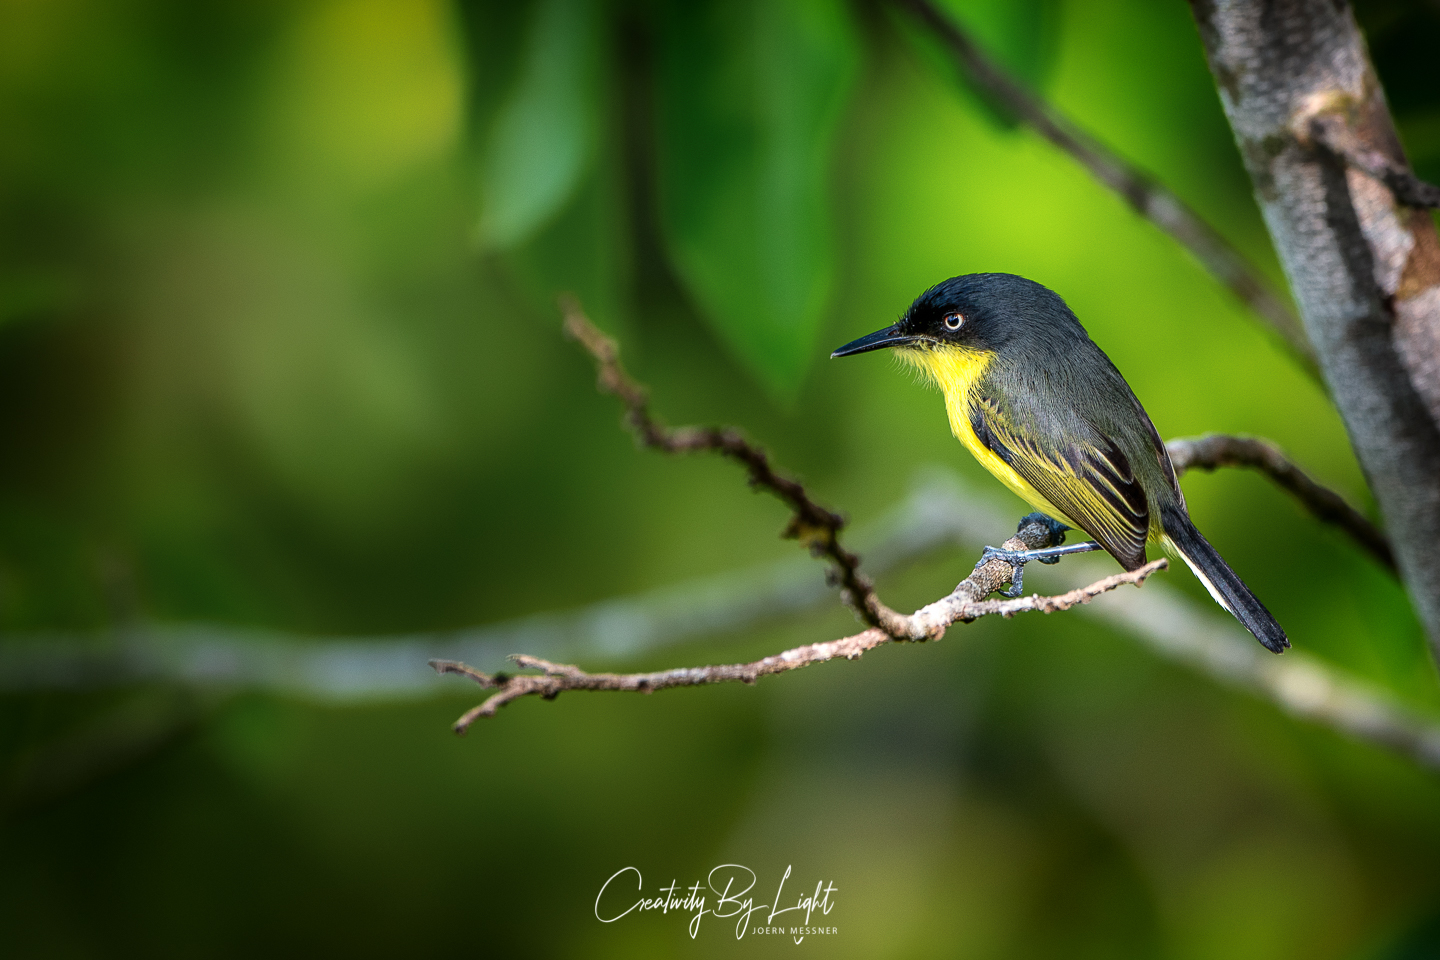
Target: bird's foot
(1018,558)
(1017,561)
(1057,531)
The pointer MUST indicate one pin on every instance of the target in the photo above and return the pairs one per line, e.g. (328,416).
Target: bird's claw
(1051,554)
(1057,531)
(1017,560)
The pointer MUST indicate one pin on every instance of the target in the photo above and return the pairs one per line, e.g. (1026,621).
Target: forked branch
(965,604)
(812,524)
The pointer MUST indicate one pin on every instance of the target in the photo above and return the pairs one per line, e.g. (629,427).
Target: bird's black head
(979,311)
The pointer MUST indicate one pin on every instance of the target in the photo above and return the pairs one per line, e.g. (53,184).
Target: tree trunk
(1301,96)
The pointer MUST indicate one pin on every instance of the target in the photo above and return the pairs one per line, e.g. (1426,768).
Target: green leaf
(750,97)
(544,133)
(583,250)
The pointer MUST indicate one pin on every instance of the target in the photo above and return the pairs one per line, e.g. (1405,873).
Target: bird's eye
(953,321)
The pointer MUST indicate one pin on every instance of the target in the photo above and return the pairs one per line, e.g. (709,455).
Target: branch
(1365,270)
(812,524)
(965,604)
(1330,131)
(1148,198)
(938,513)
(1219,450)
(820,527)
(1302,685)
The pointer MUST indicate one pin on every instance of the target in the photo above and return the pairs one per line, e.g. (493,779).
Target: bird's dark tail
(1222,582)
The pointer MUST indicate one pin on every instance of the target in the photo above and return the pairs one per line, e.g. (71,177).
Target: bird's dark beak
(889,337)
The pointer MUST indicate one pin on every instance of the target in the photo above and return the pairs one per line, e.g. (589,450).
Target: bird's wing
(1089,479)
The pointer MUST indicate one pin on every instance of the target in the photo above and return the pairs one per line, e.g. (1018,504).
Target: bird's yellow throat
(956,370)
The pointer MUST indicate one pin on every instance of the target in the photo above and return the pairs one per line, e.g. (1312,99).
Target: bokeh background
(279,351)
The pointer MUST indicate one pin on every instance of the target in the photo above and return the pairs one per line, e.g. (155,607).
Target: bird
(1042,407)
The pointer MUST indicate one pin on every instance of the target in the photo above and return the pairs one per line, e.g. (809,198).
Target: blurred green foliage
(749,97)
(278,348)
(545,130)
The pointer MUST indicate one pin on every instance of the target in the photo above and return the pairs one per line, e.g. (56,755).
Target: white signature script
(725,894)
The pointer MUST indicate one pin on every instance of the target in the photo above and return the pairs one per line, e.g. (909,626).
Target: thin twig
(812,524)
(965,604)
(1221,450)
(1149,198)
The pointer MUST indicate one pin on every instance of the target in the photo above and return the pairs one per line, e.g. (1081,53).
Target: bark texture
(1301,95)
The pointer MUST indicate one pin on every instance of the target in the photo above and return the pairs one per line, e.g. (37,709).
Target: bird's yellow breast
(956,371)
